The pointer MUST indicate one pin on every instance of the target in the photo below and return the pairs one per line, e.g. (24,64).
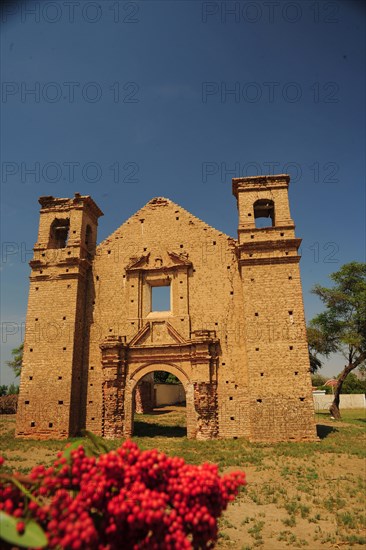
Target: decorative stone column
(114,364)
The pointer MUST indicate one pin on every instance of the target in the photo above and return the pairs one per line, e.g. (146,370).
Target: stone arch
(264,213)
(134,378)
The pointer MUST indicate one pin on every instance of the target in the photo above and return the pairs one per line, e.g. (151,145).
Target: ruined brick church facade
(234,333)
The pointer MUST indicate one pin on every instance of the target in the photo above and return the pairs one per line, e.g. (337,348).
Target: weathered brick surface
(234,336)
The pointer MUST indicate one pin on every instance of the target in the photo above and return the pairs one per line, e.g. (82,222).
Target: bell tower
(52,377)
(280,395)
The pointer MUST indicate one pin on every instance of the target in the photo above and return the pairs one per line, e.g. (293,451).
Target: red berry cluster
(126,498)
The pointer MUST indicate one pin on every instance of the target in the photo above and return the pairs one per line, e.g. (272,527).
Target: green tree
(318,380)
(341,328)
(3,390)
(16,362)
(353,385)
(12,390)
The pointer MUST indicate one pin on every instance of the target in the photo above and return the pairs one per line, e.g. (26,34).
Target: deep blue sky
(175,130)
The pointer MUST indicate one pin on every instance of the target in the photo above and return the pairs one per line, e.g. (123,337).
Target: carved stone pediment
(153,261)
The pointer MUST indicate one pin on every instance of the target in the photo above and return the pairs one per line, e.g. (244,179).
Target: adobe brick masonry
(234,333)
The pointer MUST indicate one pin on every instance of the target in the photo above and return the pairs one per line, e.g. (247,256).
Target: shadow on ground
(323,431)
(156,412)
(151,429)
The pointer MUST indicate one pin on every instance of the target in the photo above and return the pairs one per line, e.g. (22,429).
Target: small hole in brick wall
(296,372)
(64,349)
(109,251)
(216,324)
(90,402)
(214,242)
(256,349)
(132,322)
(290,312)
(93,418)
(228,267)
(50,424)
(235,437)
(259,400)
(40,271)
(131,301)
(250,255)
(60,402)
(36,319)
(291,347)
(302,398)
(91,368)
(36,287)
(230,398)
(180,246)
(227,381)
(26,402)
(68,286)
(262,373)
(43,255)
(181,297)
(194,271)
(145,249)
(236,386)
(223,364)
(97,277)
(231,292)
(249,215)
(132,286)
(286,253)
(290,277)
(177,218)
(60,378)
(256,314)
(31,378)
(182,319)
(282,234)
(32,424)
(124,276)
(64,318)
(252,236)
(232,418)
(30,349)
(110,330)
(74,232)
(69,253)
(67,270)
(252,280)
(91,384)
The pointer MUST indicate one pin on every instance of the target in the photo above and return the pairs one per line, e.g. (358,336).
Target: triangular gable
(157,203)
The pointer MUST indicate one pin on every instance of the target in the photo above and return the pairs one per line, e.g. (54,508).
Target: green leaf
(33,536)
(98,443)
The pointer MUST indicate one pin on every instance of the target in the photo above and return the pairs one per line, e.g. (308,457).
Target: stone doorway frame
(138,374)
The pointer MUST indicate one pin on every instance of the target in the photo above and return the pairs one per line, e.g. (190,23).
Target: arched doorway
(138,375)
(159,406)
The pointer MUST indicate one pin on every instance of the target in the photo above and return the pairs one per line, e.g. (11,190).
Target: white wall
(347,401)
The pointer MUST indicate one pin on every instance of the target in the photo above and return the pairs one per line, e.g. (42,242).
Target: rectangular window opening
(160,298)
